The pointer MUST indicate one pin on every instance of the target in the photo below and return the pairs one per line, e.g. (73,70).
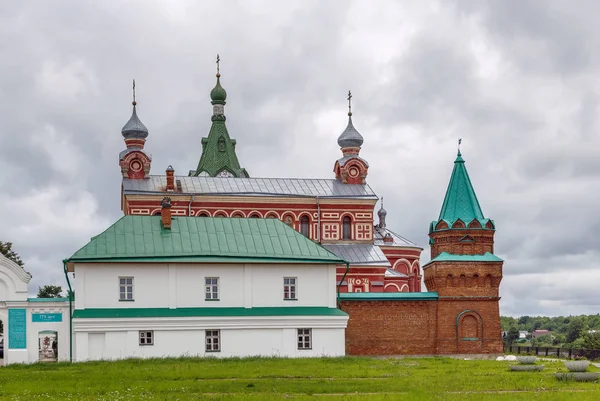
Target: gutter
(70,311)
(340,285)
(318,220)
(193,196)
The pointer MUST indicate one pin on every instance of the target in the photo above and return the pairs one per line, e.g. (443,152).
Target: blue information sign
(17,328)
(46,317)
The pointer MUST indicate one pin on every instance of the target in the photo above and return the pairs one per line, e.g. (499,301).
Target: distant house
(539,333)
(523,333)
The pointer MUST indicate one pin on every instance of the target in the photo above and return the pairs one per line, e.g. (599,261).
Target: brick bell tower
(134,160)
(464,271)
(350,169)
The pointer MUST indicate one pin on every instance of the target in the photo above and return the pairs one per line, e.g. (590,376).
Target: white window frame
(146,337)
(290,288)
(123,294)
(209,289)
(304,339)
(209,340)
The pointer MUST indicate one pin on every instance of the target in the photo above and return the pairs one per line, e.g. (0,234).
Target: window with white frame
(147,337)
(211,285)
(289,288)
(304,338)
(213,340)
(125,288)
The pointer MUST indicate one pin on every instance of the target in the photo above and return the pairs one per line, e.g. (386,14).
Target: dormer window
(346,228)
(221,144)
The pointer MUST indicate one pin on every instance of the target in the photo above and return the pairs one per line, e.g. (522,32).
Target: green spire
(460,201)
(218,149)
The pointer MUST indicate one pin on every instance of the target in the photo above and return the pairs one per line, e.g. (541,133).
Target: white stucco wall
(182,285)
(273,341)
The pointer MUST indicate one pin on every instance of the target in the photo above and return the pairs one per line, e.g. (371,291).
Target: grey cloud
(529,126)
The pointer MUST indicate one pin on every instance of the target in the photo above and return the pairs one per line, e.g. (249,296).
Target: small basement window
(304,338)
(147,337)
(213,340)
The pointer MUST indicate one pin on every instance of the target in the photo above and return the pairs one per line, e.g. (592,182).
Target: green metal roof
(460,201)
(389,296)
(218,149)
(449,257)
(202,239)
(205,312)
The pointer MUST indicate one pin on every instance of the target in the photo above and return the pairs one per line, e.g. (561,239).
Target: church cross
(134,102)
(349,103)
(218,60)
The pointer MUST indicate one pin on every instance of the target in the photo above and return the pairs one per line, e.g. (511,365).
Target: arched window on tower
(221,144)
(304,226)
(347,228)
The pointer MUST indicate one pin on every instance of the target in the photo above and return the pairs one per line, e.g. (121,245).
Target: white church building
(158,286)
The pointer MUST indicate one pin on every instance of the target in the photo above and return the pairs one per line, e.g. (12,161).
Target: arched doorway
(48,345)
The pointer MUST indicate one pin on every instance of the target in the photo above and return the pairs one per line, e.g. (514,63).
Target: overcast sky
(519,81)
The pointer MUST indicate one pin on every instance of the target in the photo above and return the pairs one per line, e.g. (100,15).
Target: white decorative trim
(15,268)
(210,322)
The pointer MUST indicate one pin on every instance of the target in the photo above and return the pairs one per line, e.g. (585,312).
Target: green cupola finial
(460,201)
(218,157)
(218,95)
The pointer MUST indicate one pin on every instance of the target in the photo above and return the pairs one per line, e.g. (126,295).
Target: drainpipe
(340,284)
(70,311)
(318,220)
(190,205)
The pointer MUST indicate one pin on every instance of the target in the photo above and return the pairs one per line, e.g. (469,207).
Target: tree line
(581,331)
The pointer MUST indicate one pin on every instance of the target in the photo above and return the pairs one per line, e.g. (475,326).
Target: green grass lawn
(346,378)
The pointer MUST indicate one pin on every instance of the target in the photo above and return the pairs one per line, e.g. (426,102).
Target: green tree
(512,335)
(591,340)
(6,250)
(50,291)
(575,329)
(544,340)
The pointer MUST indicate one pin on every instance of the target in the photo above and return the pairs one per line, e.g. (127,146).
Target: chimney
(388,239)
(170,179)
(166,212)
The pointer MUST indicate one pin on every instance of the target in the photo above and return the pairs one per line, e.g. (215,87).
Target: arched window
(288,220)
(221,144)
(203,214)
(304,226)
(347,228)
(254,216)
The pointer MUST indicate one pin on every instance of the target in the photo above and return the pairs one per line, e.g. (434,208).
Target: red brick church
(381,285)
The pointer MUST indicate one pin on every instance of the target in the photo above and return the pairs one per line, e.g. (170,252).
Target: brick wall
(390,327)
(446,326)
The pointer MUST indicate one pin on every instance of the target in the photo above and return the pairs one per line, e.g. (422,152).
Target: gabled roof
(207,239)
(285,187)
(460,201)
(359,254)
(398,240)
